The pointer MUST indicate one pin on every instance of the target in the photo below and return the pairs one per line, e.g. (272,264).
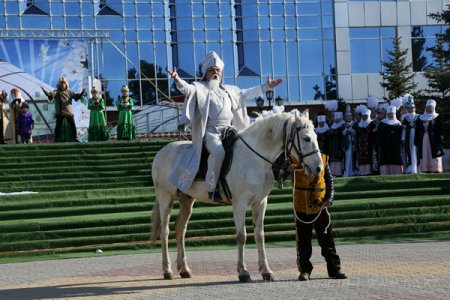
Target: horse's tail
(156,221)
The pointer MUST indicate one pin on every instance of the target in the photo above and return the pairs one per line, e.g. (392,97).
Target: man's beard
(214,82)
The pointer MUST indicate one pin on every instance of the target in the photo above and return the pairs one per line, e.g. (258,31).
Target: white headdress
(393,121)
(337,116)
(429,116)
(331,105)
(321,118)
(407,100)
(364,123)
(212,60)
(324,128)
(360,109)
(397,102)
(372,102)
(348,110)
(431,102)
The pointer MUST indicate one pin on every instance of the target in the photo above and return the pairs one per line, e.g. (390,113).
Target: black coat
(390,140)
(435,133)
(336,145)
(323,139)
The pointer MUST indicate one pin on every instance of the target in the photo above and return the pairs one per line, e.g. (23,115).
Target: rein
(254,151)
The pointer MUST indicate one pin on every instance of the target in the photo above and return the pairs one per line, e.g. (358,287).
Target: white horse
(250,180)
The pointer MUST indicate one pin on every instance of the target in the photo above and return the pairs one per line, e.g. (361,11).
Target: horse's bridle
(288,144)
(294,134)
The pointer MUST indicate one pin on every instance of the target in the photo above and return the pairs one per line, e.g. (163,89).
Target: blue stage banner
(30,64)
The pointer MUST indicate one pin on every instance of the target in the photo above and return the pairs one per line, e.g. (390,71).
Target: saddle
(228,138)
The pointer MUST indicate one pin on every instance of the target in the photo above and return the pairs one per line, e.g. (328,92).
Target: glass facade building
(288,39)
(322,49)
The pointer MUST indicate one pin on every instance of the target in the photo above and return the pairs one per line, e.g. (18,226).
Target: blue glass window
(12,8)
(312,88)
(294,88)
(35,22)
(292,59)
(280,60)
(114,70)
(423,37)
(311,59)
(247,50)
(56,8)
(368,47)
(73,23)
(72,9)
(308,9)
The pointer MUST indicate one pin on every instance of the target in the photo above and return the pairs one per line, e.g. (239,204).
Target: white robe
(195,113)
(349,141)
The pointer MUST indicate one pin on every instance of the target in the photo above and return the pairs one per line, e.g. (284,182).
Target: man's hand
(273,83)
(174,74)
(291,167)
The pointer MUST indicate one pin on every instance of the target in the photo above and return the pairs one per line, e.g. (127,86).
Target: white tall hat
(391,109)
(431,102)
(321,118)
(367,112)
(338,115)
(348,110)
(212,60)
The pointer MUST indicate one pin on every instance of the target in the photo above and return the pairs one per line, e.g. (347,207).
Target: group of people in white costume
(384,139)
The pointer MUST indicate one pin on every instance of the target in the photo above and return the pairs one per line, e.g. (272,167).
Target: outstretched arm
(77,96)
(273,83)
(256,91)
(3,97)
(184,87)
(50,96)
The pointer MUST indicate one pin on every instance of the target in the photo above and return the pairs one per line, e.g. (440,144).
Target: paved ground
(382,271)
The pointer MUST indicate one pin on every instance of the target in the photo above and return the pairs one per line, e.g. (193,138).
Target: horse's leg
(241,237)
(259,211)
(186,203)
(165,208)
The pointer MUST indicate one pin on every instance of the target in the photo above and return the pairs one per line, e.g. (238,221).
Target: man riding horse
(210,106)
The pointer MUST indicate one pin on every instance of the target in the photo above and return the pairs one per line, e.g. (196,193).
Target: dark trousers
(59,121)
(326,242)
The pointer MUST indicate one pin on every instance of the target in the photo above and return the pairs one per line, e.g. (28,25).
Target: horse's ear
(306,113)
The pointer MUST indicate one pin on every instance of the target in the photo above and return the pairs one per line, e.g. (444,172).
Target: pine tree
(439,77)
(438,74)
(444,18)
(397,78)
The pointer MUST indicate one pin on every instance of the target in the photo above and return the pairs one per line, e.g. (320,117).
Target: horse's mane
(259,128)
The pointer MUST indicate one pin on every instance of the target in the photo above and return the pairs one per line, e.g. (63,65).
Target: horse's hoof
(186,275)
(168,276)
(268,277)
(245,278)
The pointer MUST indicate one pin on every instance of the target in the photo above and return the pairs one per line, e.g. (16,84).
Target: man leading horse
(210,106)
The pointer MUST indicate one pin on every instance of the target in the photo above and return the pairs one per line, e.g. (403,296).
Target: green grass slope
(100,195)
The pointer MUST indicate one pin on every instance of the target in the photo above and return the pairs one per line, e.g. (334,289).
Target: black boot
(338,275)
(304,276)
